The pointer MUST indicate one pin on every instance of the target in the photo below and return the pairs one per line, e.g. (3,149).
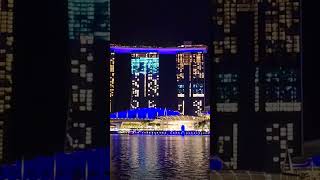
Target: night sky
(162,22)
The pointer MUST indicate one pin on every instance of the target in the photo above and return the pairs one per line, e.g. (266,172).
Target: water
(159,157)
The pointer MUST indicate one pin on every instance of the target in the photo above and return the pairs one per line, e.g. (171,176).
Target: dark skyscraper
(37,115)
(6,61)
(34,79)
(257,83)
(89,35)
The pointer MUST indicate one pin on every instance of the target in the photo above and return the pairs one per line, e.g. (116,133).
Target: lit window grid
(134,104)
(282,90)
(80,135)
(281,136)
(281,32)
(282,97)
(228,144)
(89,17)
(88,23)
(198,106)
(6,60)
(85,27)
(82,83)
(194,63)
(257,90)
(146,65)
(278,37)
(228,92)
(112,78)
(181,105)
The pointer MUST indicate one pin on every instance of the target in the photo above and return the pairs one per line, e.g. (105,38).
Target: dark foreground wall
(40,77)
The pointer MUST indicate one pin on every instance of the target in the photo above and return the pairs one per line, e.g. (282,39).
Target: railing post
(86,170)
(54,167)
(22,168)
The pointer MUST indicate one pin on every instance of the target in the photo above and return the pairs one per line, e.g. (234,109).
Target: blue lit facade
(89,35)
(143,113)
(257,83)
(160,50)
(6,62)
(145,80)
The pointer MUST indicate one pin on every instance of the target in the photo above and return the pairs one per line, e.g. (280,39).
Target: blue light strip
(170,133)
(160,50)
(141,113)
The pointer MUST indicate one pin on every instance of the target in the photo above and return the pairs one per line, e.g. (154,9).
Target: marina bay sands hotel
(145,91)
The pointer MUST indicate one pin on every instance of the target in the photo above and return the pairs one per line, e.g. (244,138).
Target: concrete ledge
(249,175)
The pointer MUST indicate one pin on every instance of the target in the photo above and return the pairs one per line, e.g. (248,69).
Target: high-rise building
(145,75)
(89,35)
(112,79)
(145,80)
(190,81)
(257,89)
(6,60)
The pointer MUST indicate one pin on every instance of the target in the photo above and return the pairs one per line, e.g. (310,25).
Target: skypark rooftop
(160,50)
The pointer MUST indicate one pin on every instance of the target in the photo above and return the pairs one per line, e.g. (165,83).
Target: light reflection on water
(159,157)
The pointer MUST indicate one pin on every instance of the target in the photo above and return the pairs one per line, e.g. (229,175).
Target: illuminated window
(145,65)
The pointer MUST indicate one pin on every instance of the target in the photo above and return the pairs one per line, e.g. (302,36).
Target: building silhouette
(257,83)
(6,63)
(33,79)
(89,35)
